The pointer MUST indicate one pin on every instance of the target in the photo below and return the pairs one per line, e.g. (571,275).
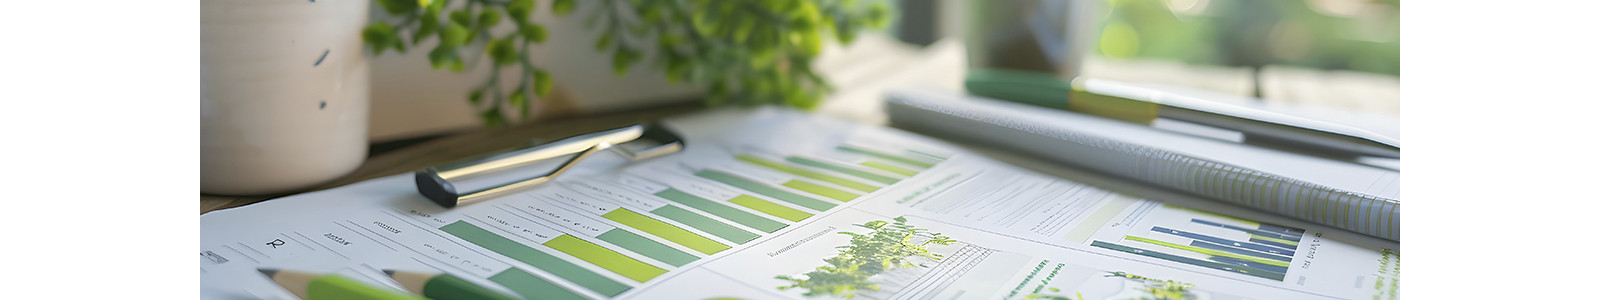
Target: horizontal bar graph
(703,223)
(1266,253)
(720,210)
(852,171)
(844,182)
(530,286)
(647,247)
(535,257)
(1191,261)
(665,231)
(765,190)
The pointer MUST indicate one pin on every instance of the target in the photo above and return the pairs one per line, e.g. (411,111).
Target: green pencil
(442,286)
(314,286)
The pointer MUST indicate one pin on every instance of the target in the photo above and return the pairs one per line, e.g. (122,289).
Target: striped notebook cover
(998,123)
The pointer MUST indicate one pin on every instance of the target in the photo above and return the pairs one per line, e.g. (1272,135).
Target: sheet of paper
(769,203)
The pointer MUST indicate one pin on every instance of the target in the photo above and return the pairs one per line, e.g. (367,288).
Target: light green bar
(821,190)
(720,210)
(852,171)
(665,231)
(764,189)
(649,248)
(1211,252)
(1099,218)
(532,287)
(605,258)
(704,223)
(535,257)
(808,173)
(903,159)
(770,208)
(889,167)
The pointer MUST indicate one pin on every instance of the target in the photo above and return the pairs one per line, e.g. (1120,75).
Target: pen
(1138,104)
(314,286)
(442,286)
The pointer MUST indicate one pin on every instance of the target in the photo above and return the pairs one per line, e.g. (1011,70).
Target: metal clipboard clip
(439,183)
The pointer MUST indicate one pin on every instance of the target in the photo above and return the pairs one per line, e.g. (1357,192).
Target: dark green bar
(650,248)
(843,169)
(530,286)
(703,223)
(903,159)
(544,261)
(732,214)
(767,190)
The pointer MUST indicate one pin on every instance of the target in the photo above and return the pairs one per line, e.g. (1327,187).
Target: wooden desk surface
(454,147)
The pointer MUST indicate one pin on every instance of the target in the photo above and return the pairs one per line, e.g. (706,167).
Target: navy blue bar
(1229,249)
(1270,234)
(1246,245)
(1200,263)
(1284,229)
(1272,243)
(1251,264)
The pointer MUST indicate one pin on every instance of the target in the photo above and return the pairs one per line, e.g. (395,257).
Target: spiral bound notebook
(1343,194)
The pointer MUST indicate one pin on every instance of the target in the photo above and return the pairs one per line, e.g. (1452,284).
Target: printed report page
(772,203)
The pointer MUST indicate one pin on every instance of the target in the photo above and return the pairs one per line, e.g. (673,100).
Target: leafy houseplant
(741,52)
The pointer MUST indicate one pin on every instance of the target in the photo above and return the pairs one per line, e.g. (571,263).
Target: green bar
(821,190)
(650,248)
(1211,252)
(544,261)
(665,231)
(1275,240)
(843,169)
(763,189)
(605,258)
(808,173)
(720,210)
(703,223)
(530,286)
(889,167)
(770,208)
(903,159)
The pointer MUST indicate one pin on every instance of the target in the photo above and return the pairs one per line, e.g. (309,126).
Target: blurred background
(1341,54)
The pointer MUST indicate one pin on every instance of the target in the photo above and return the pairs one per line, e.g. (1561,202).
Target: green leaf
(541,83)
(563,7)
(877,15)
(519,10)
(440,56)
(380,35)
(603,43)
(492,117)
(622,59)
(475,96)
(488,18)
(398,7)
(436,7)
(518,99)
(461,17)
(534,32)
(457,65)
(503,51)
(453,36)
(430,24)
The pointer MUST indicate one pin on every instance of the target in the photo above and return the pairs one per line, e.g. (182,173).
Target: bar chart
(609,234)
(1216,242)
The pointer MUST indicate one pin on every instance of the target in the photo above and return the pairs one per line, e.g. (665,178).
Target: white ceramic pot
(283,94)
